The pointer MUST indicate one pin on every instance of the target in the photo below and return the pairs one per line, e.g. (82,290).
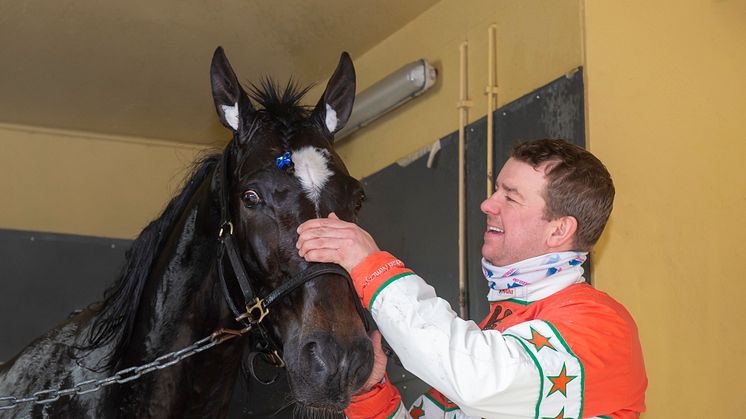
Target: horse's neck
(181,303)
(179,298)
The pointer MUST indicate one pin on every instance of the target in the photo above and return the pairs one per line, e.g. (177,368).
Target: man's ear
(562,233)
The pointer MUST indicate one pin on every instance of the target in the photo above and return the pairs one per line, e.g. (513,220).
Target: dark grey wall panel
(412,211)
(44,277)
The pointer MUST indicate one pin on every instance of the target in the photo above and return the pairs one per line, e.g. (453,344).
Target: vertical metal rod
(462,105)
(491,92)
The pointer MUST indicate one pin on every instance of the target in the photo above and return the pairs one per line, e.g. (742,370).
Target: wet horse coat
(169,294)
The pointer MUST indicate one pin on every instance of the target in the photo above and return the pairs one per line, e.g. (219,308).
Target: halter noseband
(256,308)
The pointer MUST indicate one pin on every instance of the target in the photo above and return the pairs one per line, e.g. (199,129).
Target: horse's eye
(250,198)
(359,203)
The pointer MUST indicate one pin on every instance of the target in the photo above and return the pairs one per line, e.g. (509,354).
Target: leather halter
(256,308)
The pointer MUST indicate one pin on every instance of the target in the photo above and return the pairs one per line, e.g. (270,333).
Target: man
(551,347)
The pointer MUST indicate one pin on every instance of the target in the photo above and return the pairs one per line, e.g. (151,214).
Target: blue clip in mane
(284,161)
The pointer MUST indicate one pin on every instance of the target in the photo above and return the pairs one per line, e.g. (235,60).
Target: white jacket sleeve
(486,373)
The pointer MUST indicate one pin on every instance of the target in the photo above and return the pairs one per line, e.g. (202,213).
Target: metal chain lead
(125,375)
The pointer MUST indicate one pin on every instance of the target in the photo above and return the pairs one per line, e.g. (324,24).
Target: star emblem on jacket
(416,412)
(560,415)
(539,341)
(559,382)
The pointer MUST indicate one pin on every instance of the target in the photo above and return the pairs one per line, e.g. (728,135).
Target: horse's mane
(119,307)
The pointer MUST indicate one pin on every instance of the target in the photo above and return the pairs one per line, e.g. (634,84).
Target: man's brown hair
(578,185)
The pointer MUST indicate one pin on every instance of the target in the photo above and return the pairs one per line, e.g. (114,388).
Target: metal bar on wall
(491,92)
(463,106)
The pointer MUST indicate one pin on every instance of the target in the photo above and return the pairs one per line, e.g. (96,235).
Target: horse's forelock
(281,102)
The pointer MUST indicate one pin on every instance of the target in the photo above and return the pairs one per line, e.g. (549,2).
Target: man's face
(516,228)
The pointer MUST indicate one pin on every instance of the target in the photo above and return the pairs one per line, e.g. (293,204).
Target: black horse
(233,223)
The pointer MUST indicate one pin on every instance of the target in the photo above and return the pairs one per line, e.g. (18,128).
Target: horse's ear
(231,101)
(335,106)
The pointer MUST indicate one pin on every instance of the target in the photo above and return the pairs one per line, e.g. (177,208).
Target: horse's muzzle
(334,371)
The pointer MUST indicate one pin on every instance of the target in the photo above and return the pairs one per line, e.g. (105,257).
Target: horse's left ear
(335,106)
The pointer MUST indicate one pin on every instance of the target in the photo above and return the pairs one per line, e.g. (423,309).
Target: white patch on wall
(230,113)
(331,118)
(312,169)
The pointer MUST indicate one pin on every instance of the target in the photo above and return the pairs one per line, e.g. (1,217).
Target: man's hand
(379,363)
(336,241)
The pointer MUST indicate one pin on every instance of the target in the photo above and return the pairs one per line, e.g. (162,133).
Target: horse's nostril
(361,363)
(317,364)
(320,359)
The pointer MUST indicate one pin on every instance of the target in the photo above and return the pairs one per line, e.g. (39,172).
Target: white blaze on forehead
(230,113)
(312,169)
(331,118)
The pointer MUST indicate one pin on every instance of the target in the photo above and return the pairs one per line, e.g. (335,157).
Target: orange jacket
(575,353)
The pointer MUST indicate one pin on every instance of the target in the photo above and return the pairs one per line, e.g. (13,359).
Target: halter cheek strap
(255,309)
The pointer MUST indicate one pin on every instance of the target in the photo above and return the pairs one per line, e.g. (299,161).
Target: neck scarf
(535,278)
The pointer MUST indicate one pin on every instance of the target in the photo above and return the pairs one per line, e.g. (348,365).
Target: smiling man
(551,347)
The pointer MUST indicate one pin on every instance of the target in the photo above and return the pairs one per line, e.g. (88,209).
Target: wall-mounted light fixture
(389,93)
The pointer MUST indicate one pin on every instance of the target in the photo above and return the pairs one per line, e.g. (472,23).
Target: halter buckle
(275,359)
(249,314)
(227,227)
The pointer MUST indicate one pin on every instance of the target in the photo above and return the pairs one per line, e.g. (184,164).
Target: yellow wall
(666,85)
(90,184)
(48,174)
(537,42)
